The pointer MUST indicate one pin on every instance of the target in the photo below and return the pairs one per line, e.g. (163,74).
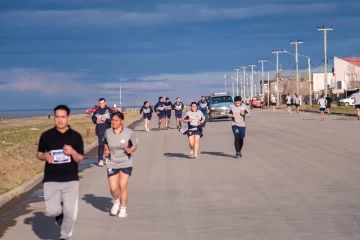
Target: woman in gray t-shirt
(120,142)
(194,118)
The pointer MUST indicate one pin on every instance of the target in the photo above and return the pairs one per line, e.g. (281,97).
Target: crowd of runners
(62,148)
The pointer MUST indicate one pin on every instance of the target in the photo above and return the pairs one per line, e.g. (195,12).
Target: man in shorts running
(62,149)
(169,107)
(160,109)
(179,107)
(329,100)
(356,97)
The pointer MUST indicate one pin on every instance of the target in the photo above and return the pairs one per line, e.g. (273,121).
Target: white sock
(123,209)
(117,201)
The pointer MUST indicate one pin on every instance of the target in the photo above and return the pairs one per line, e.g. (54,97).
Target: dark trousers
(205,114)
(100,147)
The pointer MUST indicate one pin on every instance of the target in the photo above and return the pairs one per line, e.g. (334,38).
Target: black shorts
(194,132)
(296,105)
(357,106)
(289,104)
(328,106)
(112,172)
(273,104)
(147,116)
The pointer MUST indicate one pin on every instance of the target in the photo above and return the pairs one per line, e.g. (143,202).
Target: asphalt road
(298,179)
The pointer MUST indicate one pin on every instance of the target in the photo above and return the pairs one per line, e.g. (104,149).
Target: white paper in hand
(59,157)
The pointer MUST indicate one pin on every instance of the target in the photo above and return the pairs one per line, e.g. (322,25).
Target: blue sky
(76,51)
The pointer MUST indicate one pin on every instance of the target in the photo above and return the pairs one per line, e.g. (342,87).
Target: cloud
(163,15)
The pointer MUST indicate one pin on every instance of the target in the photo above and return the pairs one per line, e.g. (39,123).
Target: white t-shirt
(356,96)
(322,102)
(288,99)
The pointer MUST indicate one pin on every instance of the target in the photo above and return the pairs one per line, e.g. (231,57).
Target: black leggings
(239,142)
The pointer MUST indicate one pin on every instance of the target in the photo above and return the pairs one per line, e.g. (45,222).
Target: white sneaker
(101,163)
(115,208)
(123,213)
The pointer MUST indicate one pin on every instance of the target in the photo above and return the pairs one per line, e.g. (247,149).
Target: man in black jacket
(102,119)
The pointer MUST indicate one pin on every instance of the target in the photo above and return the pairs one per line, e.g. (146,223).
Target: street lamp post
(262,73)
(252,80)
(325,56)
(297,65)
(277,76)
(309,71)
(237,81)
(245,83)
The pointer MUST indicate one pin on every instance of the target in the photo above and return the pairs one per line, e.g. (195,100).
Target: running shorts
(147,116)
(296,105)
(322,109)
(328,106)
(357,106)
(194,132)
(112,172)
(273,104)
(289,104)
(161,115)
(239,130)
(178,114)
(168,114)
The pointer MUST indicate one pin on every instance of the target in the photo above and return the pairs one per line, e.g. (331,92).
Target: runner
(356,97)
(120,142)
(195,119)
(262,101)
(322,102)
(62,149)
(101,118)
(147,111)
(179,107)
(238,112)
(160,109)
(169,107)
(288,103)
(273,102)
(297,103)
(203,107)
(328,105)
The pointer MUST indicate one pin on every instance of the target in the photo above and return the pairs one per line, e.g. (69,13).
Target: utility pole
(233,90)
(277,76)
(262,73)
(325,56)
(225,81)
(297,64)
(245,82)
(310,82)
(252,80)
(237,81)
(268,101)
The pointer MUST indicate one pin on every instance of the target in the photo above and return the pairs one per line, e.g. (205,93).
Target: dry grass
(18,146)
(334,109)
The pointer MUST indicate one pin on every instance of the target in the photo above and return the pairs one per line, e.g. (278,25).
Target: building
(318,81)
(347,74)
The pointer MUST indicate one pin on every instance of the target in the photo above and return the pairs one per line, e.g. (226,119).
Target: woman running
(179,107)
(297,103)
(322,102)
(147,111)
(273,102)
(120,142)
(194,118)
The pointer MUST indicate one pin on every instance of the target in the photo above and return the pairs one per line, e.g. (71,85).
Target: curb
(35,180)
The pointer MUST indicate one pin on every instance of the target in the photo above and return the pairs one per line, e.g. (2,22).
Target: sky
(76,51)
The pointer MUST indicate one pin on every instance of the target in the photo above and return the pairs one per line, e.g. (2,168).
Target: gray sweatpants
(67,193)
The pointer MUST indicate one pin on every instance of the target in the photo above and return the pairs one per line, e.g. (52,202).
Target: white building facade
(347,74)
(319,79)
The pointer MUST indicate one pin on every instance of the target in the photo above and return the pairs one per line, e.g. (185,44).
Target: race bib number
(59,157)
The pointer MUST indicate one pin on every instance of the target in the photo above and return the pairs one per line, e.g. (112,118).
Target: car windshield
(257,98)
(221,99)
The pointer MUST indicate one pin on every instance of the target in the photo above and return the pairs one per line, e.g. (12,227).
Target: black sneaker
(237,155)
(59,219)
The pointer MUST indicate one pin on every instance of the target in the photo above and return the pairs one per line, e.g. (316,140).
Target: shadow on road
(104,204)
(43,226)
(176,155)
(139,130)
(219,154)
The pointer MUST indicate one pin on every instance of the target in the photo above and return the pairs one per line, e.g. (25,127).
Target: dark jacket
(105,112)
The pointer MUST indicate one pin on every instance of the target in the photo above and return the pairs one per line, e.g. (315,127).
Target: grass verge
(18,146)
